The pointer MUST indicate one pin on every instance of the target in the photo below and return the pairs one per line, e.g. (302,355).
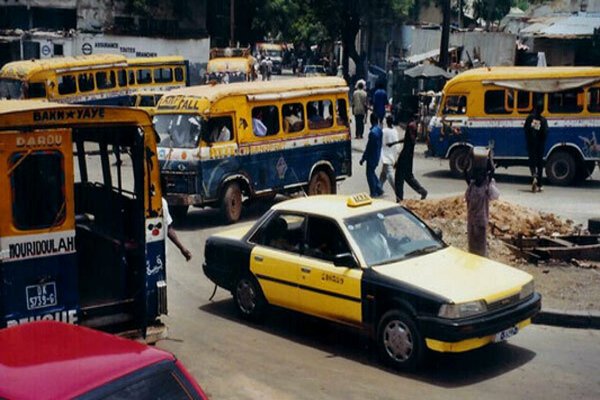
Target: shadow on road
(444,370)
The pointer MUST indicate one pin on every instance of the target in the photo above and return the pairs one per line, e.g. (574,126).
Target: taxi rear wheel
(249,299)
(320,183)
(399,341)
(231,202)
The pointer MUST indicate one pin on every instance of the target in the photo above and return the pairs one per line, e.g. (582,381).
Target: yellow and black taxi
(375,265)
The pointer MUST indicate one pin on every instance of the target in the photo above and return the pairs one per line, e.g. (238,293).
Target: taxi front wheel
(399,341)
(249,299)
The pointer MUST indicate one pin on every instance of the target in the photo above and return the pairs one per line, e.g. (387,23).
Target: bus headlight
(462,310)
(527,290)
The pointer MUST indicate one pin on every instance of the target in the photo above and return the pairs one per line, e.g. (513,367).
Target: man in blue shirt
(379,102)
(371,156)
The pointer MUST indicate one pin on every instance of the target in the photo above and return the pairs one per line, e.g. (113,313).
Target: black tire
(178,213)
(399,342)
(321,183)
(561,168)
(249,299)
(231,202)
(585,170)
(460,161)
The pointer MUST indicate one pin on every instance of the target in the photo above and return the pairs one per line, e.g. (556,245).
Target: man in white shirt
(171,234)
(388,153)
(258,126)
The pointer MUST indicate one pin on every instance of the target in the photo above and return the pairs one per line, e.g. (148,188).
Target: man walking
(359,108)
(371,156)
(388,152)
(404,165)
(536,131)
(379,101)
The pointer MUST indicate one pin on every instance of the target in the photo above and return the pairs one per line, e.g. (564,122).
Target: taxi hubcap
(246,296)
(398,340)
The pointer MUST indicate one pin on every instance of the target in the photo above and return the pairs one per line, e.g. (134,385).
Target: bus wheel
(561,168)
(178,213)
(231,202)
(399,341)
(320,183)
(460,162)
(585,170)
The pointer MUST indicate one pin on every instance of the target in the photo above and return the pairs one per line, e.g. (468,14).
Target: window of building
(455,105)
(320,114)
(38,193)
(567,102)
(593,100)
(58,50)
(293,117)
(265,120)
(342,113)
(144,76)
(66,84)
(86,82)
(37,90)
(105,80)
(179,74)
(163,75)
(498,102)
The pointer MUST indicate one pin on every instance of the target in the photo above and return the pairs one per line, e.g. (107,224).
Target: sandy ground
(563,285)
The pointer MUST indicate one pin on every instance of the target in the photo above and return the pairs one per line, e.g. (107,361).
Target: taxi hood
(458,276)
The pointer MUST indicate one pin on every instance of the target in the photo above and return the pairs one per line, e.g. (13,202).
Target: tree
(491,10)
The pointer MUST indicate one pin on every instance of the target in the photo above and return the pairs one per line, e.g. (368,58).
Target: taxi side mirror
(345,260)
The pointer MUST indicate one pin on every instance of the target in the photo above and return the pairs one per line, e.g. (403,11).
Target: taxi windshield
(178,130)
(391,235)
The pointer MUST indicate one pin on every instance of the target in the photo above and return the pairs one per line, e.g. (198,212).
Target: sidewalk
(563,318)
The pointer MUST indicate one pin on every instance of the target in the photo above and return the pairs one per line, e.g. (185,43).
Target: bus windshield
(11,89)
(178,130)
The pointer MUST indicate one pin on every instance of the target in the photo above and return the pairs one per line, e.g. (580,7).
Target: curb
(568,318)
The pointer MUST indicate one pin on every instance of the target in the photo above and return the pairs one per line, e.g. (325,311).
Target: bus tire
(321,183)
(460,162)
(178,213)
(561,168)
(231,202)
(585,170)
(399,342)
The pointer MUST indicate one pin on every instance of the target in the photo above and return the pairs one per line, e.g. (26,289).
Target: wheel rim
(560,169)
(321,184)
(235,204)
(463,162)
(246,296)
(398,340)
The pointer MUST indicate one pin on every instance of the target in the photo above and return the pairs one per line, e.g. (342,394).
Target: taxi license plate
(40,296)
(505,334)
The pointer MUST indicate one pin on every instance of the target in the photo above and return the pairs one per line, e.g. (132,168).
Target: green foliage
(522,4)
(491,10)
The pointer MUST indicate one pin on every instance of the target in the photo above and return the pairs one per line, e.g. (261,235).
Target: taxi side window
(324,239)
(282,231)
(38,193)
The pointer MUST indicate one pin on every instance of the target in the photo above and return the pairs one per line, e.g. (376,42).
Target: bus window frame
(279,133)
(37,84)
(506,110)
(333,125)
(443,108)
(304,119)
(138,71)
(74,77)
(577,91)
(111,76)
(588,97)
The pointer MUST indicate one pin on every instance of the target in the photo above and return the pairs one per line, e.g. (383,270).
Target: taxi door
(327,290)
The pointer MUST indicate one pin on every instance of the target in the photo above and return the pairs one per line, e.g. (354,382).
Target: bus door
(110,225)
(38,271)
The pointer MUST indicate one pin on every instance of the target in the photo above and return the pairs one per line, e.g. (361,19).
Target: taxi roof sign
(359,200)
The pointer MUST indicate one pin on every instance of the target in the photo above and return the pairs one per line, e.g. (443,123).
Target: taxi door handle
(305,270)
(258,258)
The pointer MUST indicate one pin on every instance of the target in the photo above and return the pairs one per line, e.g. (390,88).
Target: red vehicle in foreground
(54,360)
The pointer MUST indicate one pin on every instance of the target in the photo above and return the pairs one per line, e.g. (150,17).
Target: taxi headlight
(527,290)
(462,310)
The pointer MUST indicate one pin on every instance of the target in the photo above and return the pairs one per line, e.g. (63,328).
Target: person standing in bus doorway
(359,108)
(379,101)
(371,155)
(168,223)
(404,165)
(536,131)
(388,152)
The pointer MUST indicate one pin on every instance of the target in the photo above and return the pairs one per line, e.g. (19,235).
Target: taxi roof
(334,206)
(216,92)
(23,69)
(55,360)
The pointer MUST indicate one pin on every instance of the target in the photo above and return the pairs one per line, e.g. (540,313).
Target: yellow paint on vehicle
(277,272)
(468,344)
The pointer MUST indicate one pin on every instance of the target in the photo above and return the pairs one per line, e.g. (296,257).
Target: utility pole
(443,63)
(231,23)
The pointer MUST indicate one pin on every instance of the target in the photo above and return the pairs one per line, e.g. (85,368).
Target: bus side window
(105,79)
(320,114)
(565,102)
(86,82)
(524,105)
(122,77)
(37,90)
(265,121)
(293,117)
(498,102)
(38,192)
(594,100)
(179,74)
(456,105)
(342,113)
(66,84)
(219,129)
(144,76)
(131,79)
(163,75)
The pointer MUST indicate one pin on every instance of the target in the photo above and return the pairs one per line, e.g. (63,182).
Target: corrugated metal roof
(572,26)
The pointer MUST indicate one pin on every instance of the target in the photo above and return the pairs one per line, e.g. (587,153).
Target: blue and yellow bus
(105,79)
(488,107)
(223,143)
(82,238)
